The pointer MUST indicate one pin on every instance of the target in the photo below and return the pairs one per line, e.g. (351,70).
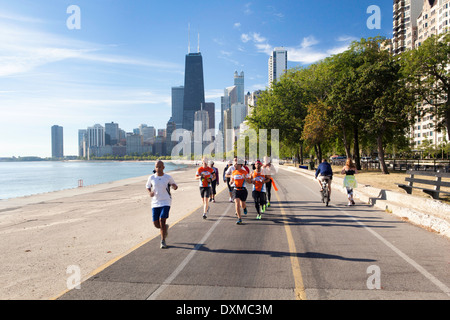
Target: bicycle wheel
(323,193)
(325,196)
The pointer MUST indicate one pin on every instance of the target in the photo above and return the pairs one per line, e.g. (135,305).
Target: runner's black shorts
(240,194)
(205,192)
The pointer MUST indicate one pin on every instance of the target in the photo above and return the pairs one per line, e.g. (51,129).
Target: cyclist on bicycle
(326,173)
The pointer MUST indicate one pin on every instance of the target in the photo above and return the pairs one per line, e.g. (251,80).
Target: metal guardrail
(398,165)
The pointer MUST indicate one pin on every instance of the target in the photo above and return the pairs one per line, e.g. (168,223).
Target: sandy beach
(43,236)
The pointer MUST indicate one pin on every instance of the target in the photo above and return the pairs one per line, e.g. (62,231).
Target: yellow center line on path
(300,293)
(112,261)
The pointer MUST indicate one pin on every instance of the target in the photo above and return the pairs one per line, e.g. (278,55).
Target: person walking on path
(259,189)
(158,186)
(205,175)
(268,171)
(214,182)
(228,173)
(230,187)
(239,178)
(349,181)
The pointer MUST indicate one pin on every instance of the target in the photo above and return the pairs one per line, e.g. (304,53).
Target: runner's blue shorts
(160,213)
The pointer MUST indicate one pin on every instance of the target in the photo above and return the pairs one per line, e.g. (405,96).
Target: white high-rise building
(444,16)
(277,64)
(229,98)
(96,136)
(405,14)
(239,83)
(148,133)
(95,141)
(433,20)
(238,114)
(201,118)
(427,21)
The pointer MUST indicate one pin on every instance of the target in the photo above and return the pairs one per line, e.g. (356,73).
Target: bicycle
(324,192)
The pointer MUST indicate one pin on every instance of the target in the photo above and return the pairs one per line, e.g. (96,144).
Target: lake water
(19,179)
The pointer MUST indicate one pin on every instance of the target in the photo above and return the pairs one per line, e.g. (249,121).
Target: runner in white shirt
(158,186)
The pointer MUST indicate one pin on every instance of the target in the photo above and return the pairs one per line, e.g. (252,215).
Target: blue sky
(121,64)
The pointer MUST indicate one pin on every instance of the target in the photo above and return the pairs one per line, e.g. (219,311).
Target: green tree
(317,127)
(427,70)
(383,94)
(346,112)
(282,107)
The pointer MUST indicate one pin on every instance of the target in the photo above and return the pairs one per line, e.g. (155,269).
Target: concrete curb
(430,214)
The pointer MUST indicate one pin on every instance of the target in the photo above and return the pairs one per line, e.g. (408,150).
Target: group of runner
(237,175)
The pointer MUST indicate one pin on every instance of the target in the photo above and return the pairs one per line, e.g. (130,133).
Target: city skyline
(124,60)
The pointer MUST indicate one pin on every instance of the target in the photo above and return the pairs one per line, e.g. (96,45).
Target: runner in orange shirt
(239,177)
(259,189)
(205,175)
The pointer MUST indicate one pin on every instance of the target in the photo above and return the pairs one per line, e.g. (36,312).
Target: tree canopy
(360,96)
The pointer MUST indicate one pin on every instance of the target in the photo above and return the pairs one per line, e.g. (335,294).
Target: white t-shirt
(229,172)
(271,170)
(161,186)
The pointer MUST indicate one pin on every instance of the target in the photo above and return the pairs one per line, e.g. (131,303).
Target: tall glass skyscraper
(277,64)
(194,90)
(177,106)
(239,83)
(57,142)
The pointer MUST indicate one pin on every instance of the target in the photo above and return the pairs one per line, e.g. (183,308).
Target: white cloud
(247,9)
(305,55)
(345,38)
(237,25)
(308,52)
(19,18)
(264,47)
(260,42)
(226,55)
(273,11)
(258,38)
(258,86)
(245,37)
(309,42)
(23,50)
(337,50)
(213,94)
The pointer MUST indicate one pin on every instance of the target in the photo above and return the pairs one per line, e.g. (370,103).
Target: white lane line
(418,267)
(186,260)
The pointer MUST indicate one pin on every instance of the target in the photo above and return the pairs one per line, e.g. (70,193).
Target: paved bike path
(300,249)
